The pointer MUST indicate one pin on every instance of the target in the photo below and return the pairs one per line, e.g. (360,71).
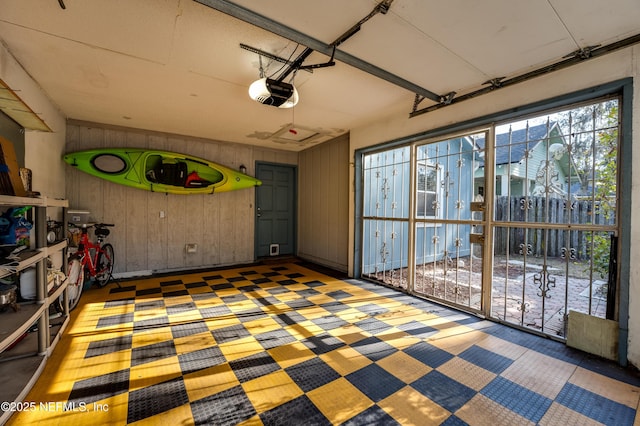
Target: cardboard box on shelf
(10,180)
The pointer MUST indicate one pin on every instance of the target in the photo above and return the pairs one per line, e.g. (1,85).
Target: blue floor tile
(595,406)
(373,416)
(486,359)
(374,348)
(375,382)
(428,354)
(521,400)
(443,390)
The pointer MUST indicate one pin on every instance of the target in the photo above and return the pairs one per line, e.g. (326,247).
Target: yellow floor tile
(151,335)
(456,339)
(502,347)
(210,381)
(151,373)
(352,315)
(316,312)
(615,390)
(240,348)
(561,415)
(261,325)
(409,408)
(404,367)
(398,339)
(466,373)
(481,411)
(221,321)
(177,300)
(345,360)
(208,302)
(194,342)
(348,334)
(526,371)
(291,354)
(339,400)
(271,390)
(304,330)
(185,317)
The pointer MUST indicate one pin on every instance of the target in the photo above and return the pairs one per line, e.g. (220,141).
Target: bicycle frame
(85,246)
(83,264)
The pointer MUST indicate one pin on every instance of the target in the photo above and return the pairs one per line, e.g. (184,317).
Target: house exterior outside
(443,187)
(529,159)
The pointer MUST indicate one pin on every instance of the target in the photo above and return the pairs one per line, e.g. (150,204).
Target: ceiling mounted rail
(277,28)
(382,7)
(271,56)
(571,59)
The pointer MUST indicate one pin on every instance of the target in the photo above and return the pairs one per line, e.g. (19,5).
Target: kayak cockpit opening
(173,172)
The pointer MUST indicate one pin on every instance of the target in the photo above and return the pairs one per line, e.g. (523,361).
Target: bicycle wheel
(105,265)
(76,282)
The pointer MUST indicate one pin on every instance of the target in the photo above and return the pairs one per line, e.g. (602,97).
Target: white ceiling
(176,66)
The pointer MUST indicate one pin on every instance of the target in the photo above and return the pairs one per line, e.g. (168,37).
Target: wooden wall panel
(211,218)
(156,243)
(158,227)
(136,211)
(323,203)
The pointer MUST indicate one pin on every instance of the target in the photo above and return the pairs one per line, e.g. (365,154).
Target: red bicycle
(91,260)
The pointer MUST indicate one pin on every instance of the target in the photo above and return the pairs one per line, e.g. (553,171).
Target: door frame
(622,87)
(412,220)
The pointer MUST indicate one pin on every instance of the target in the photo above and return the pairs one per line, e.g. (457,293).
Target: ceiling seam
(91,46)
(563,24)
(440,44)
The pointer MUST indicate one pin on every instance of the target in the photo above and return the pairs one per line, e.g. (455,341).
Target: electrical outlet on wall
(191,248)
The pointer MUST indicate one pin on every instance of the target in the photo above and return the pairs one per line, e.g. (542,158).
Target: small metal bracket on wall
(477,206)
(476,238)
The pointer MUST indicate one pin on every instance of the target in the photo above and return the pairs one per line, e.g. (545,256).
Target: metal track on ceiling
(571,59)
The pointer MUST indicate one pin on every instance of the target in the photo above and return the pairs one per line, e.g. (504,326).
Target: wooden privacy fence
(556,242)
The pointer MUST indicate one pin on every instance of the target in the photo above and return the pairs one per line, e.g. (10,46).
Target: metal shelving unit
(23,353)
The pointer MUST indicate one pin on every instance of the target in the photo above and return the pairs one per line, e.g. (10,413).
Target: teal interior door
(275,210)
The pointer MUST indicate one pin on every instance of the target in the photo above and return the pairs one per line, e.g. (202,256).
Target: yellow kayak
(159,171)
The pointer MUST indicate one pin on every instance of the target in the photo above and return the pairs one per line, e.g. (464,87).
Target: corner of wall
(43,150)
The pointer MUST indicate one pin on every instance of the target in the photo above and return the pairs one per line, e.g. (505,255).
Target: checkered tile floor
(285,345)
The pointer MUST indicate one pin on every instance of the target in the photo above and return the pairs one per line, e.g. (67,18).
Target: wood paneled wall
(222,225)
(324,203)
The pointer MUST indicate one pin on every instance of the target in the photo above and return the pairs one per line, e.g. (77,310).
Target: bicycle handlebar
(91,225)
